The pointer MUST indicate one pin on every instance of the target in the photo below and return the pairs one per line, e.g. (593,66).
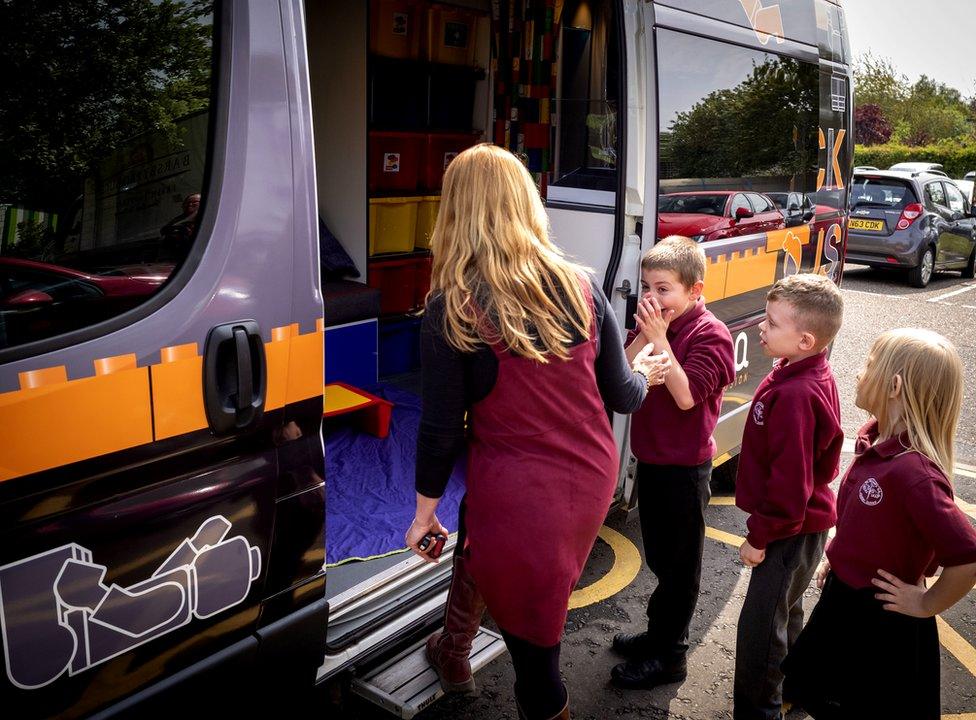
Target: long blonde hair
(493,259)
(931,389)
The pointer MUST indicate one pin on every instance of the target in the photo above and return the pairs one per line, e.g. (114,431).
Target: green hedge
(957,158)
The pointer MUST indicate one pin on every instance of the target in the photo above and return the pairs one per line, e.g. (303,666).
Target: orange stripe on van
(52,421)
(178,391)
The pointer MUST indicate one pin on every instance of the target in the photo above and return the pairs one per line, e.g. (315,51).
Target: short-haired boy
(790,452)
(671,436)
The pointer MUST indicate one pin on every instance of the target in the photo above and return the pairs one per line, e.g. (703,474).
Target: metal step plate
(407,684)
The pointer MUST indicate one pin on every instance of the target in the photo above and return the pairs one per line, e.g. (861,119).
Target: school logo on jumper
(758,412)
(871,493)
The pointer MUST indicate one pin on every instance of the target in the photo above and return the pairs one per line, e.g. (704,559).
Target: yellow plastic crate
(392,224)
(426,217)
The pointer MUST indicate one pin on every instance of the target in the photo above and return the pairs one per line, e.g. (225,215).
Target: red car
(715,215)
(38,300)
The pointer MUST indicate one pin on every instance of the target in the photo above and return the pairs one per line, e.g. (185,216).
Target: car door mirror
(956,215)
(26,299)
(742,213)
(809,215)
(972,211)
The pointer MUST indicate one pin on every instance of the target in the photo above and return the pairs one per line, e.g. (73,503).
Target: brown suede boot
(448,650)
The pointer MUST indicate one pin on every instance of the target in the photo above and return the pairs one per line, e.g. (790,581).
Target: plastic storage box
(452,35)
(396,28)
(427,208)
(424,266)
(397,95)
(440,149)
(451,103)
(394,161)
(399,346)
(392,224)
(396,279)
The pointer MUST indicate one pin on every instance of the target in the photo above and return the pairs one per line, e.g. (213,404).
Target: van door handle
(234,377)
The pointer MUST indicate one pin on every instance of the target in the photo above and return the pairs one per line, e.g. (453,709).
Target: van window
(735,119)
(586,140)
(103,145)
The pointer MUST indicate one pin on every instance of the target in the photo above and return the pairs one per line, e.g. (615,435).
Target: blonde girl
(871,647)
(519,340)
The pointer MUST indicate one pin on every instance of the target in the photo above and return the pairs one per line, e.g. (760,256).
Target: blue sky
(932,37)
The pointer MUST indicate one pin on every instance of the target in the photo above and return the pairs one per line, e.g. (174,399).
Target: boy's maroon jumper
(896,512)
(790,452)
(662,433)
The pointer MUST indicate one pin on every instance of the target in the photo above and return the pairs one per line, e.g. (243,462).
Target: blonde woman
(871,647)
(519,339)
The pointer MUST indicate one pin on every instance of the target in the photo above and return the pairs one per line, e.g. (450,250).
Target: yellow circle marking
(626,565)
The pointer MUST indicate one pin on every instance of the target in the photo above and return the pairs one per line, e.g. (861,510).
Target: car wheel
(969,272)
(920,275)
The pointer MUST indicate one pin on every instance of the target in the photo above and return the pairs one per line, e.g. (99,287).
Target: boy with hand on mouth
(671,436)
(790,453)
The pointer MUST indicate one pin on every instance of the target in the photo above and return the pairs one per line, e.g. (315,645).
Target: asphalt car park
(613,590)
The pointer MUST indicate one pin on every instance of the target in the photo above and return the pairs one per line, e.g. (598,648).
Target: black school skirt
(854,659)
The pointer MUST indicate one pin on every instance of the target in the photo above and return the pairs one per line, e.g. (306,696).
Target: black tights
(538,687)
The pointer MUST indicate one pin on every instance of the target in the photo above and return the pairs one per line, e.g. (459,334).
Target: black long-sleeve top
(453,381)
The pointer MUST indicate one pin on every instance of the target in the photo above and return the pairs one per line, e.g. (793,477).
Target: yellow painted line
(626,565)
(722,500)
(950,639)
(957,645)
(724,537)
(966,507)
(960,716)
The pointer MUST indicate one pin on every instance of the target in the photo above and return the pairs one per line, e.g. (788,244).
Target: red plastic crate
(424,266)
(394,160)
(440,149)
(396,279)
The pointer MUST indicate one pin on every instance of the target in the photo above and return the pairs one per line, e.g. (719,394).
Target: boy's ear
(808,341)
(696,289)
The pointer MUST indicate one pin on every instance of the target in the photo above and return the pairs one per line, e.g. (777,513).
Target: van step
(407,684)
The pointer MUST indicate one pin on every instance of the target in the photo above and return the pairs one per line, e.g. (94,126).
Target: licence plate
(855,224)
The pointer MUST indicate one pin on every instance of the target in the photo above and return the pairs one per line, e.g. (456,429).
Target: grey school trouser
(771,619)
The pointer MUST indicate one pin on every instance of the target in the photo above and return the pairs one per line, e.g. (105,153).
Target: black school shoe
(631,645)
(647,674)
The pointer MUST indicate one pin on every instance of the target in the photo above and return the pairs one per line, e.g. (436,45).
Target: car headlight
(697,238)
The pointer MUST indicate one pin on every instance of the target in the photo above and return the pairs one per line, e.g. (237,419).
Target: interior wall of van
(337,40)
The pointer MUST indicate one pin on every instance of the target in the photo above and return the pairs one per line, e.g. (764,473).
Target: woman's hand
(822,571)
(655,367)
(418,530)
(901,597)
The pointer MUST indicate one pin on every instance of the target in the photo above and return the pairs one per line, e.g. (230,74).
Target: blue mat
(369,482)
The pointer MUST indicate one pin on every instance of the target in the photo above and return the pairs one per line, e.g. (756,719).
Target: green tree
(765,126)
(82,76)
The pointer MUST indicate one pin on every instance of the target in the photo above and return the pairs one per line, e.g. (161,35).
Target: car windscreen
(705,204)
(887,193)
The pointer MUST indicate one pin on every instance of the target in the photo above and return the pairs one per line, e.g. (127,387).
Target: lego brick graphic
(57,615)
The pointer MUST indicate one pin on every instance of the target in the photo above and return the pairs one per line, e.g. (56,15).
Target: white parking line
(952,293)
(872,294)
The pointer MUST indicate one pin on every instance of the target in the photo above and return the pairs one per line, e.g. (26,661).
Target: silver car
(912,220)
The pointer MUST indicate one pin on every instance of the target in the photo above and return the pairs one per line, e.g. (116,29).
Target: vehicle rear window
(103,149)
(881,192)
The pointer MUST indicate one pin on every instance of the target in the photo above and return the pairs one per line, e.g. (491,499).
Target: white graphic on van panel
(57,614)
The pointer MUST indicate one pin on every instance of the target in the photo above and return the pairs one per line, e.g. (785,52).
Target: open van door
(161,496)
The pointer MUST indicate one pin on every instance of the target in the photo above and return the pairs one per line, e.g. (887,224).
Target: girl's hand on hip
(902,597)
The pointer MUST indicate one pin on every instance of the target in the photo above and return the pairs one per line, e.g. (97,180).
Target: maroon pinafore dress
(542,469)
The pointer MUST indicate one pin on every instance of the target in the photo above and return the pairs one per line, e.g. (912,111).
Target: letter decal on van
(57,615)
(741,352)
